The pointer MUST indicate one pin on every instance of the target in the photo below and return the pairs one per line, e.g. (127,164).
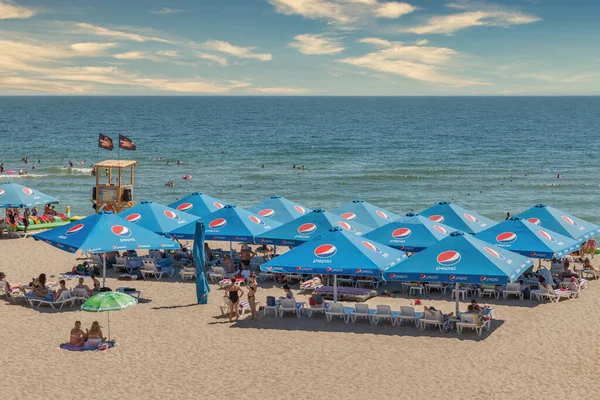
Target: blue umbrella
(13,195)
(198,204)
(307,227)
(156,217)
(336,252)
(278,209)
(202,288)
(457,217)
(412,233)
(518,235)
(560,222)
(365,214)
(458,259)
(230,223)
(103,233)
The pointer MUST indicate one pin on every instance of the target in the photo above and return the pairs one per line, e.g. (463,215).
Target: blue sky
(300,47)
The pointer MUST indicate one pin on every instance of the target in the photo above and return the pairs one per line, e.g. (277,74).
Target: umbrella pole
(457,294)
(108,326)
(274,250)
(335,288)
(104,271)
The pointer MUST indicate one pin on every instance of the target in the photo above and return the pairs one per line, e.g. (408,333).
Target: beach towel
(102,347)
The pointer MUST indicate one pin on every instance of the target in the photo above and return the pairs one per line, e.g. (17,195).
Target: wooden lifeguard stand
(114,185)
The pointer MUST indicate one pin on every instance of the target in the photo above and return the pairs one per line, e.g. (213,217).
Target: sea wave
(17,176)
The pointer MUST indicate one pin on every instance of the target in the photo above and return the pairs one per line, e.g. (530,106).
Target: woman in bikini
(591,246)
(233,294)
(38,286)
(77,337)
(246,255)
(252,288)
(94,332)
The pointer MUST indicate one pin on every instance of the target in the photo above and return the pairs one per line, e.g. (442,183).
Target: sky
(299,47)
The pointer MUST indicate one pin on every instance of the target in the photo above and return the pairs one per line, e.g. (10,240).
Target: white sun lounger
(338,310)
(468,320)
(383,313)
(513,288)
(554,295)
(429,318)
(317,308)
(217,274)
(187,273)
(150,269)
(362,311)
(290,305)
(65,298)
(408,314)
(243,308)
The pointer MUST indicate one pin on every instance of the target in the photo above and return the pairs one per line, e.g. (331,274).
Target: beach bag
(270,301)
(312,302)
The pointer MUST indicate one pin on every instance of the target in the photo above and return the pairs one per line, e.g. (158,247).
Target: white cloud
(96,30)
(422,63)
(134,55)
(8,10)
(558,78)
(315,44)
(92,48)
(342,11)
(237,51)
(41,85)
(393,10)
(214,58)
(279,90)
(476,14)
(421,42)
(168,53)
(166,10)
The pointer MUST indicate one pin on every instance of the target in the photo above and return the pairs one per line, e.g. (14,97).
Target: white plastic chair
(289,305)
(362,311)
(468,320)
(337,310)
(384,312)
(513,288)
(429,318)
(407,314)
(149,268)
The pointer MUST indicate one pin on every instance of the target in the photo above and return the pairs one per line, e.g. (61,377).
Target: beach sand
(169,347)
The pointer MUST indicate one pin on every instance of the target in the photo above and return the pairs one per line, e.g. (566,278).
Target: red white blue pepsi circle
(437,218)
(217,223)
(121,231)
(402,233)
(349,216)
(1,192)
(172,215)
(371,246)
(133,217)
(471,218)
(440,229)
(74,229)
(569,221)
(328,269)
(28,191)
(482,279)
(546,235)
(346,226)
(382,215)
(392,276)
(358,271)
(494,253)
(506,237)
(423,276)
(452,277)
(218,205)
(298,268)
(266,213)
(300,209)
(535,221)
(306,229)
(256,220)
(185,207)
(325,251)
(448,258)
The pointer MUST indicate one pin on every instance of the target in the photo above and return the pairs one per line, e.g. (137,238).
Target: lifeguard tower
(114,185)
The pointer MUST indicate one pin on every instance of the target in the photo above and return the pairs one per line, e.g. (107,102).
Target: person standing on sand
(592,247)
(26,215)
(233,293)
(246,256)
(252,288)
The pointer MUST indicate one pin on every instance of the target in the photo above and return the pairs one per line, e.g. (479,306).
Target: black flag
(126,144)
(105,142)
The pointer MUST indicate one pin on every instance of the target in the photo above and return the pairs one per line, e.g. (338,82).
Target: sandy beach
(169,346)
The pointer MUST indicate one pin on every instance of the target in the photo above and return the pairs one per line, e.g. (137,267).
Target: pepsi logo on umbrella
(28,191)
(494,253)
(371,246)
(448,258)
(440,229)
(301,210)
(506,237)
(402,233)
(546,236)
(218,205)
(325,251)
(307,229)
(217,223)
(74,229)
(535,221)
(172,215)
(256,220)
(347,226)
(266,213)
(121,231)
(437,218)
(349,216)
(569,221)
(185,207)
(383,215)
(133,217)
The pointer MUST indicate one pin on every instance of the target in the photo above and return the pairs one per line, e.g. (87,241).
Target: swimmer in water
(71,163)
(294,167)
(557,176)
(168,162)
(263,166)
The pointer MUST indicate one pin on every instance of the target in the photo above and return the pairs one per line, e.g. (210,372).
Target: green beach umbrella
(107,302)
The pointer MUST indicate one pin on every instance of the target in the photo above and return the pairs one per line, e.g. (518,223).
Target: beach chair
(316,308)
(434,319)
(383,313)
(337,310)
(555,295)
(407,314)
(364,281)
(290,305)
(150,269)
(217,274)
(346,280)
(243,308)
(590,273)
(66,297)
(436,285)
(187,273)
(310,284)
(120,264)
(489,290)
(97,261)
(263,276)
(272,304)
(512,288)
(468,320)
(362,311)
(293,277)
(80,294)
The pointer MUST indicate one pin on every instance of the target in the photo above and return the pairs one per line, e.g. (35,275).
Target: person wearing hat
(246,256)
(573,285)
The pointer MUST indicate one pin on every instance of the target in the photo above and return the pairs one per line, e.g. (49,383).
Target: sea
(492,155)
